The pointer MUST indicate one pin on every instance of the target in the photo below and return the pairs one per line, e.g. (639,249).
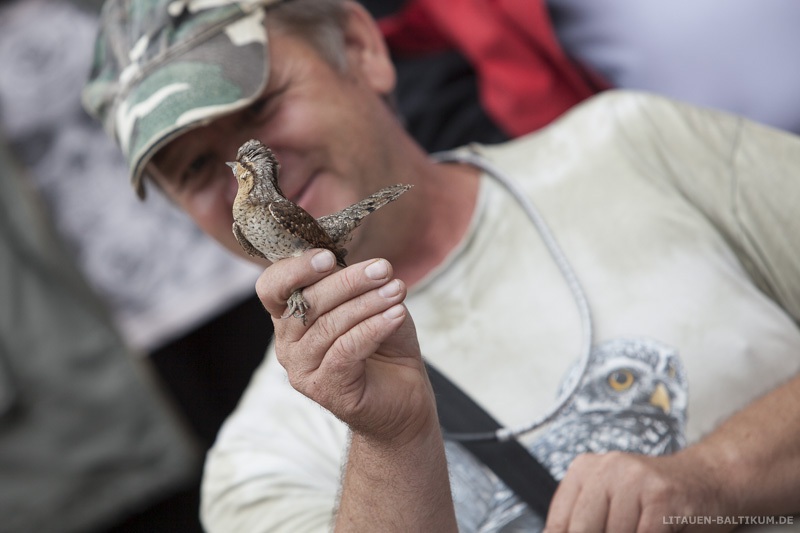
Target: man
(662,233)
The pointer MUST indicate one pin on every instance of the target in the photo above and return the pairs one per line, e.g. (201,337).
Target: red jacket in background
(525,79)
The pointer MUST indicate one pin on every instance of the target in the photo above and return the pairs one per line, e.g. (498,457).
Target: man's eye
(257,107)
(199,163)
(266,106)
(197,173)
(259,111)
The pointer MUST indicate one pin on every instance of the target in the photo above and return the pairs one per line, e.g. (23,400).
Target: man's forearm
(750,465)
(757,453)
(402,488)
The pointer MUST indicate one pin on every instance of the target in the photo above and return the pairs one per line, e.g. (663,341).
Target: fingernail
(390,289)
(323,261)
(377,270)
(394,312)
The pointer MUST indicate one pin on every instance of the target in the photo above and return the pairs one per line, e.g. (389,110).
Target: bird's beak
(660,398)
(231,164)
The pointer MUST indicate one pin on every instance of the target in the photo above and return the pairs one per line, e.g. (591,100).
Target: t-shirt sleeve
(276,463)
(743,176)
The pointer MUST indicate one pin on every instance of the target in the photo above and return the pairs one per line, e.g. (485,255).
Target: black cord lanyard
(510,461)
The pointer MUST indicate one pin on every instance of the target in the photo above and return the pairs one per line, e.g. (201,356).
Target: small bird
(269,225)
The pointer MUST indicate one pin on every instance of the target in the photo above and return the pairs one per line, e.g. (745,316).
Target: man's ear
(367,53)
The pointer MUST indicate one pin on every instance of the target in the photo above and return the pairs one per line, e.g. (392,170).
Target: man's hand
(357,355)
(746,467)
(635,493)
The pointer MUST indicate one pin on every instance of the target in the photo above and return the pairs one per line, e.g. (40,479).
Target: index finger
(277,283)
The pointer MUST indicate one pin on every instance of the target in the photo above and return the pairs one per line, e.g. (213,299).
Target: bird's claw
(296,306)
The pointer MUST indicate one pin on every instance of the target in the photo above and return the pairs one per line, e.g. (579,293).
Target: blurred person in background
(88,444)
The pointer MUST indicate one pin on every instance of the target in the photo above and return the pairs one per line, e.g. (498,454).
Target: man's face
(322,125)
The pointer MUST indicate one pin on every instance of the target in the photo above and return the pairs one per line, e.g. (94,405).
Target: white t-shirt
(736,55)
(681,225)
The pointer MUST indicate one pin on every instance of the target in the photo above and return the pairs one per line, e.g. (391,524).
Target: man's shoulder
(635,119)
(625,109)
(630,104)
(599,119)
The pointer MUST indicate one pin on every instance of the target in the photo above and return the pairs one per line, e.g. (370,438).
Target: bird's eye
(621,380)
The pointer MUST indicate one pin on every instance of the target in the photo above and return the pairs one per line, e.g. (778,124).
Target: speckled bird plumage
(269,225)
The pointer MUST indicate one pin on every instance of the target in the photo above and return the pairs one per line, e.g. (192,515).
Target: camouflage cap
(163,67)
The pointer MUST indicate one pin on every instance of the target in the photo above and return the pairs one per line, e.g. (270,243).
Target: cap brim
(224,73)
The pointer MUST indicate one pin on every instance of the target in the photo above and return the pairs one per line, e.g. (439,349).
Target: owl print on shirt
(631,398)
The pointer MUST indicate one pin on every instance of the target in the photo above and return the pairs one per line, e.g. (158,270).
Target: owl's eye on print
(621,380)
(671,370)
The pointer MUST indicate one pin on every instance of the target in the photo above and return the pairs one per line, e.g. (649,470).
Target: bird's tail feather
(340,225)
